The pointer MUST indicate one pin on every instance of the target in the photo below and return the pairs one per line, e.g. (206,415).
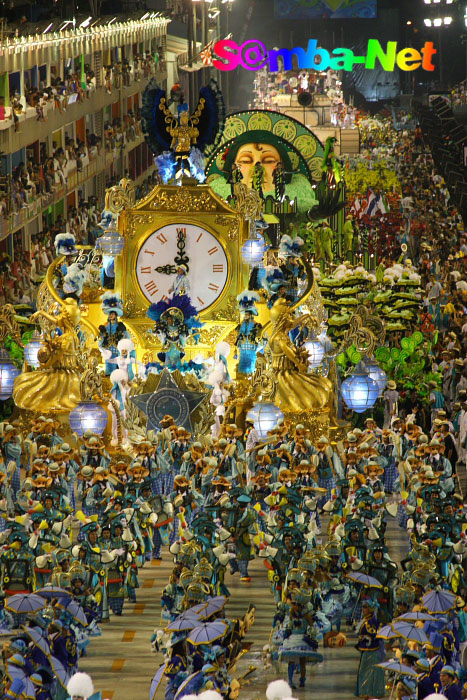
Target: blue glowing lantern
(31,351)
(8,374)
(360,391)
(253,251)
(110,243)
(88,415)
(265,415)
(377,374)
(315,352)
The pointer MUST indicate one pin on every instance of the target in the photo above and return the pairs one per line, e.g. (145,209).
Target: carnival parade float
(201,300)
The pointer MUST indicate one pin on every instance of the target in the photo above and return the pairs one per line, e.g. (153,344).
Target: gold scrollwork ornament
(121,196)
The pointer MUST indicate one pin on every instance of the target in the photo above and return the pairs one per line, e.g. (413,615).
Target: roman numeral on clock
(163,239)
(149,252)
(218,268)
(199,237)
(213,287)
(213,250)
(145,270)
(151,288)
(200,301)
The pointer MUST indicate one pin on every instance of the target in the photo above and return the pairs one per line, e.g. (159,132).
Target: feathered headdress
(209,113)
(273,280)
(65,244)
(74,280)
(290,247)
(181,302)
(107,219)
(247,300)
(111,301)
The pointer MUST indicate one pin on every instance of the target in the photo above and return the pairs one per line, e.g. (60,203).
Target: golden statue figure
(183,135)
(295,390)
(56,385)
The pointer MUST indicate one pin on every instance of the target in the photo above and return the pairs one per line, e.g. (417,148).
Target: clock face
(192,245)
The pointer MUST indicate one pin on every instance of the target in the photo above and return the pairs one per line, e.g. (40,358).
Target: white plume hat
(80,685)
(278,690)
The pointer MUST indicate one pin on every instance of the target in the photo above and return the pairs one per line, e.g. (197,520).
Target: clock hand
(166,269)
(181,258)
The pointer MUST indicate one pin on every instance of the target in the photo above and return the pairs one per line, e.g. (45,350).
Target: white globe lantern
(265,416)
(315,351)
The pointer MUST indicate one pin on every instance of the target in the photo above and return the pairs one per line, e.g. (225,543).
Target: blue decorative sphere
(88,415)
(265,416)
(30,353)
(359,391)
(377,374)
(253,251)
(315,352)
(8,374)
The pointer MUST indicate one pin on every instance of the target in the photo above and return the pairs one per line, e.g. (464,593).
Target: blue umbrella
(37,639)
(439,601)
(74,609)
(60,671)
(364,579)
(156,681)
(217,601)
(400,669)
(408,631)
(208,632)
(197,608)
(212,606)
(416,616)
(25,603)
(190,685)
(386,632)
(53,592)
(12,671)
(184,622)
(29,693)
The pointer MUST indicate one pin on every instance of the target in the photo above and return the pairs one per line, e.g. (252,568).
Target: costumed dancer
(65,244)
(114,330)
(248,332)
(370,678)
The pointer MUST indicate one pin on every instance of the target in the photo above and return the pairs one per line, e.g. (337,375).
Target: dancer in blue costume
(114,330)
(370,678)
(248,332)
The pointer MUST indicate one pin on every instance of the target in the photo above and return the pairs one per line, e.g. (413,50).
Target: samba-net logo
(253,55)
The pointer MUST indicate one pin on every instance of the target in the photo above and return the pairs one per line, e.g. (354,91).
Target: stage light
(427,22)
(86,23)
(359,391)
(8,374)
(437,22)
(447,20)
(265,415)
(88,415)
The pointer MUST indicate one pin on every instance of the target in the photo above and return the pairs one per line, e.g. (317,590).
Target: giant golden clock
(188,225)
(196,248)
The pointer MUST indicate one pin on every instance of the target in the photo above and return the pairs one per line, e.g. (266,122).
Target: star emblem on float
(169,399)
